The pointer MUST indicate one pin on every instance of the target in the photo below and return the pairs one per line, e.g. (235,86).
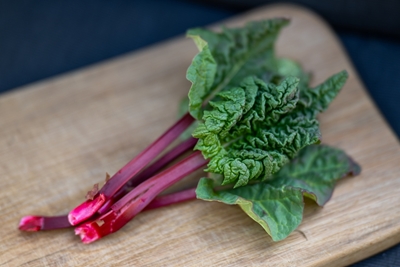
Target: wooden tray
(60,136)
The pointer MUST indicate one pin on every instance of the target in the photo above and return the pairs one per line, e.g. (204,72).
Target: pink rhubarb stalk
(135,201)
(150,171)
(41,223)
(174,198)
(162,162)
(89,208)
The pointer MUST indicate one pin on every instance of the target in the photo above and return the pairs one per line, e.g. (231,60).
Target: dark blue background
(39,39)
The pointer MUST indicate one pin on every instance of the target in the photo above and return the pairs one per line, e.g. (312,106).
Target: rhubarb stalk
(43,223)
(135,201)
(150,171)
(40,223)
(88,208)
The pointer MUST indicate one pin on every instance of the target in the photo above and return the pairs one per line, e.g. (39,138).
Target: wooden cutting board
(60,136)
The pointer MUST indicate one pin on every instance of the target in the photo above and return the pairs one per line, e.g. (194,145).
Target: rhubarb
(136,200)
(40,223)
(255,128)
(32,223)
(88,208)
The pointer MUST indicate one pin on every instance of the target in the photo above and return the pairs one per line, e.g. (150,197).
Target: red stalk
(40,223)
(88,208)
(43,223)
(174,198)
(150,171)
(135,201)
(163,161)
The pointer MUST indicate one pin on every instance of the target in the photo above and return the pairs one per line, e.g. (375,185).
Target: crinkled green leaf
(201,73)
(277,205)
(256,111)
(286,67)
(278,210)
(318,98)
(315,100)
(227,57)
(257,124)
(315,170)
(251,131)
(246,143)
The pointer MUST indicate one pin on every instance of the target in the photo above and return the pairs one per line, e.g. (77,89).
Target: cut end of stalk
(31,223)
(94,230)
(86,210)
(87,233)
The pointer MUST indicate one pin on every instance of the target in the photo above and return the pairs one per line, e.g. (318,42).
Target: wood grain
(60,136)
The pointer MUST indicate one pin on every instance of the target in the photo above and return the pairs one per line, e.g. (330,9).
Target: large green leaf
(254,111)
(278,210)
(315,170)
(227,57)
(277,205)
(201,74)
(250,132)
(315,100)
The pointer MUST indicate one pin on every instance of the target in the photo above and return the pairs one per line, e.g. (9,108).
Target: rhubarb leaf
(315,170)
(277,205)
(252,130)
(278,210)
(201,74)
(315,100)
(227,57)
(254,111)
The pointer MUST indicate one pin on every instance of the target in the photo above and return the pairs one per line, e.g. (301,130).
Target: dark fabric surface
(377,62)
(377,16)
(42,38)
(39,39)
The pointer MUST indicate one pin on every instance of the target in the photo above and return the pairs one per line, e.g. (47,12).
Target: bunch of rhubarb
(253,123)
